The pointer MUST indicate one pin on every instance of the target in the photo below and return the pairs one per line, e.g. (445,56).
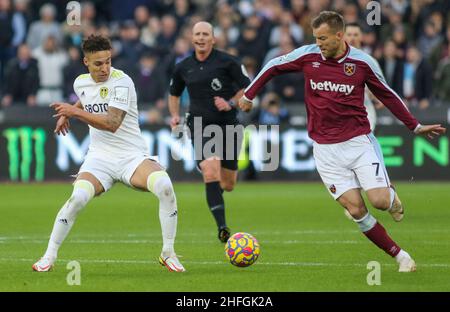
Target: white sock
(366,223)
(83,191)
(159,183)
(392,197)
(401,255)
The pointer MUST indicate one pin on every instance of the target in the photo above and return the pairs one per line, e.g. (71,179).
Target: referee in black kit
(215,81)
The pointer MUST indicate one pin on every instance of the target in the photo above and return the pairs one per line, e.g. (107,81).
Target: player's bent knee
(227,186)
(159,183)
(83,192)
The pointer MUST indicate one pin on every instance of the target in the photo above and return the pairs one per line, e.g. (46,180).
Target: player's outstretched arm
(430,131)
(109,122)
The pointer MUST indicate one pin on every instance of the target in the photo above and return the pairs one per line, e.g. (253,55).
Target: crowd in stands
(40,52)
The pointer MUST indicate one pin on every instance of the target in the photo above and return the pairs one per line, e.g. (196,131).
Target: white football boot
(172,263)
(43,265)
(407,265)
(397,210)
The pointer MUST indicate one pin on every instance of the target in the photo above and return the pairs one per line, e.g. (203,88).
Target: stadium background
(40,58)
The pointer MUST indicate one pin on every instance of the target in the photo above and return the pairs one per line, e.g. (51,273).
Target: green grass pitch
(307,244)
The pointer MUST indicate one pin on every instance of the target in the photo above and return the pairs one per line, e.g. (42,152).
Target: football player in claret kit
(117,151)
(347,154)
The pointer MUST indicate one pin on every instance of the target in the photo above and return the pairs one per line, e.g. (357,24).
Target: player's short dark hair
(332,19)
(96,43)
(353,24)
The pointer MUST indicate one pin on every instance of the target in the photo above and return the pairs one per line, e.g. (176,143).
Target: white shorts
(356,163)
(109,169)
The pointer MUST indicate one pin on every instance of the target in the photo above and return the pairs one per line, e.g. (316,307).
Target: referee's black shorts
(228,151)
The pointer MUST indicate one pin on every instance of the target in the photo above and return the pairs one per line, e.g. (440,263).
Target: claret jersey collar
(341,58)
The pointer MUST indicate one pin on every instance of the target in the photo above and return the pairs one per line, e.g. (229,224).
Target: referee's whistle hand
(221,104)
(245,105)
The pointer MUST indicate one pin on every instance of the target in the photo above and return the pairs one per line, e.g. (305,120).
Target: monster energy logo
(20,152)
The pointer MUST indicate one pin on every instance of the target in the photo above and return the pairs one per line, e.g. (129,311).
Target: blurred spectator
(151,31)
(88,13)
(12,33)
(41,29)
(21,79)
(141,16)
(254,37)
(180,51)
(181,11)
(130,47)
(394,21)
(72,34)
(51,61)
(351,13)
(71,71)
(168,34)
(150,80)
(286,26)
(429,40)
(369,41)
(270,111)
(121,10)
(6,34)
(442,81)
(227,29)
(399,37)
(397,6)
(442,50)
(417,79)
(392,66)
(20,22)
(300,14)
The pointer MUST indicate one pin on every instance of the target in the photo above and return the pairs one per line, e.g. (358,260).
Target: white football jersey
(119,92)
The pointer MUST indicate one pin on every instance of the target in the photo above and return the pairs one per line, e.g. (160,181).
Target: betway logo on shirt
(331,86)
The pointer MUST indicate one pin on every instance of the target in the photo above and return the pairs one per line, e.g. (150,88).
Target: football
(242,249)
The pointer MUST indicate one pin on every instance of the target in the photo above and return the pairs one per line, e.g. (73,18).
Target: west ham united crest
(349,69)
(333,189)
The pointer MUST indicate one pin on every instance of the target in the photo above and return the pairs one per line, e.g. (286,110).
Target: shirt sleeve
(177,83)
(121,94)
(239,74)
(377,84)
(287,63)
(75,87)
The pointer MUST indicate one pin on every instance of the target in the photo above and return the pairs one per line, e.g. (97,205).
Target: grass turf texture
(307,244)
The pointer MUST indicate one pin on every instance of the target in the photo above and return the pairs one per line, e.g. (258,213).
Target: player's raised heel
(407,265)
(43,265)
(172,263)
(397,210)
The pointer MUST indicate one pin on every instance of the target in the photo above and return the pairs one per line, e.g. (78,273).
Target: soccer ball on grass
(242,249)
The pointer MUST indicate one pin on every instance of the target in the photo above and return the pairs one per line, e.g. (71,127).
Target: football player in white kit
(117,151)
